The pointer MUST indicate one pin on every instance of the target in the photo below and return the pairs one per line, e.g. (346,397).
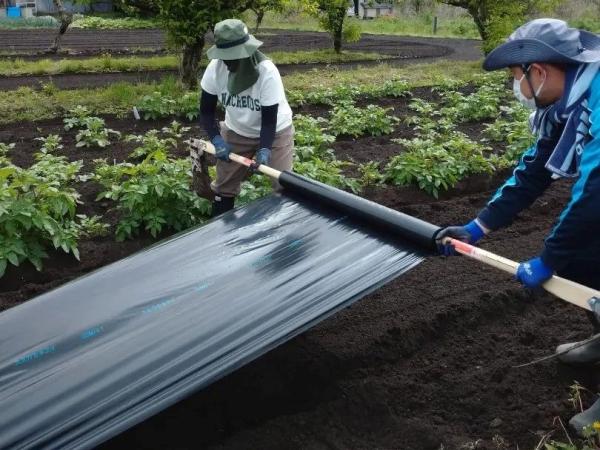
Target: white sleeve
(271,89)
(209,79)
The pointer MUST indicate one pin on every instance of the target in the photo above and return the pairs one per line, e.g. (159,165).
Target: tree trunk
(338,29)
(66,18)
(260,14)
(477,10)
(190,63)
(356,10)
(480,17)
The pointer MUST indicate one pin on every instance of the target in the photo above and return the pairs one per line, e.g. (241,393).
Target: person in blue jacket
(556,72)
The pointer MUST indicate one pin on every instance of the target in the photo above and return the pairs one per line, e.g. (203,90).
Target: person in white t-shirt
(258,118)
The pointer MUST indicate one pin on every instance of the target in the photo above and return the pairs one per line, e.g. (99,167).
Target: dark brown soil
(428,360)
(78,43)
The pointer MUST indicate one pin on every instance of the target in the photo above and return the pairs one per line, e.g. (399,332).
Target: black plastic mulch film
(88,360)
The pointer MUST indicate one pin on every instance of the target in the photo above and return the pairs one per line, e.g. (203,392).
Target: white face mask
(527,102)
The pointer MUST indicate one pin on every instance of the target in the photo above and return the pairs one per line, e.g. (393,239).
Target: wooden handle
(565,289)
(208,147)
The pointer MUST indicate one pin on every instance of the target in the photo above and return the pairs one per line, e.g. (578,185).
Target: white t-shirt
(243,111)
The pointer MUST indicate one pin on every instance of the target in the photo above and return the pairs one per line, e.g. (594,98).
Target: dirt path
(404,50)
(425,361)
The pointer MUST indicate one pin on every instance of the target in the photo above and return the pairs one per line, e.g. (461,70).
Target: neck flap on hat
(246,74)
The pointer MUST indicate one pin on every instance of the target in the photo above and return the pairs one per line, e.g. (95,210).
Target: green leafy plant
(392,88)
(76,117)
(149,143)
(152,195)
(319,95)
(253,189)
(37,208)
(480,105)
(436,166)
(91,227)
(175,130)
(50,143)
(113,23)
(158,105)
(349,120)
(94,133)
(310,132)
(431,169)
(370,174)
(513,131)
(187,106)
(328,172)
(4,149)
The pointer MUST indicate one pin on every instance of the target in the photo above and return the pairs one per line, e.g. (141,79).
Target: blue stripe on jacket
(578,229)
(576,236)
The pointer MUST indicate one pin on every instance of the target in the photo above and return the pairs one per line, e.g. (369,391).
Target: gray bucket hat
(545,40)
(232,41)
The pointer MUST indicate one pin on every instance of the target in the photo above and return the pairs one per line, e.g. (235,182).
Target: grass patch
(94,22)
(26,104)
(422,25)
(50,102)
(34,22)
(417,75)
(105,63)
(114,23)
(108,63)
(326,56)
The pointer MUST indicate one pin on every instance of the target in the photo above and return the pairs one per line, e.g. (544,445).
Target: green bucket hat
(232,41)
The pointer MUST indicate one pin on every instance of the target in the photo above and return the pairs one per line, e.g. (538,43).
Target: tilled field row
(98,41)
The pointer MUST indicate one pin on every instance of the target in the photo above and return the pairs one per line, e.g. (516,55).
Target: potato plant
(310,138)
(158,105)
(149,143)
(480,105)
(348,92)
(436,165)
(76,118)
(152,195)
(347,119)
(512,130)
(328,172)
(94,133)
(37,208)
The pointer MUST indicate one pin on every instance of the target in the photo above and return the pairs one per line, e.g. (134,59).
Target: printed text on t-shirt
(240,101)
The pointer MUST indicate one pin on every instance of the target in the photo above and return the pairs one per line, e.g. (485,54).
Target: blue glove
(469,233)
(533,273)
(263,156)
(222,148)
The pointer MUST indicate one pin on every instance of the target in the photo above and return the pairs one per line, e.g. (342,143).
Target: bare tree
(65,19)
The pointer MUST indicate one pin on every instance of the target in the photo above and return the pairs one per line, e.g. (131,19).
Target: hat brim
(245,50)
(527,51)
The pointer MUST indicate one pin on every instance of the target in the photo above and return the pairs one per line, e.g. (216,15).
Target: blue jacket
(576,236)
